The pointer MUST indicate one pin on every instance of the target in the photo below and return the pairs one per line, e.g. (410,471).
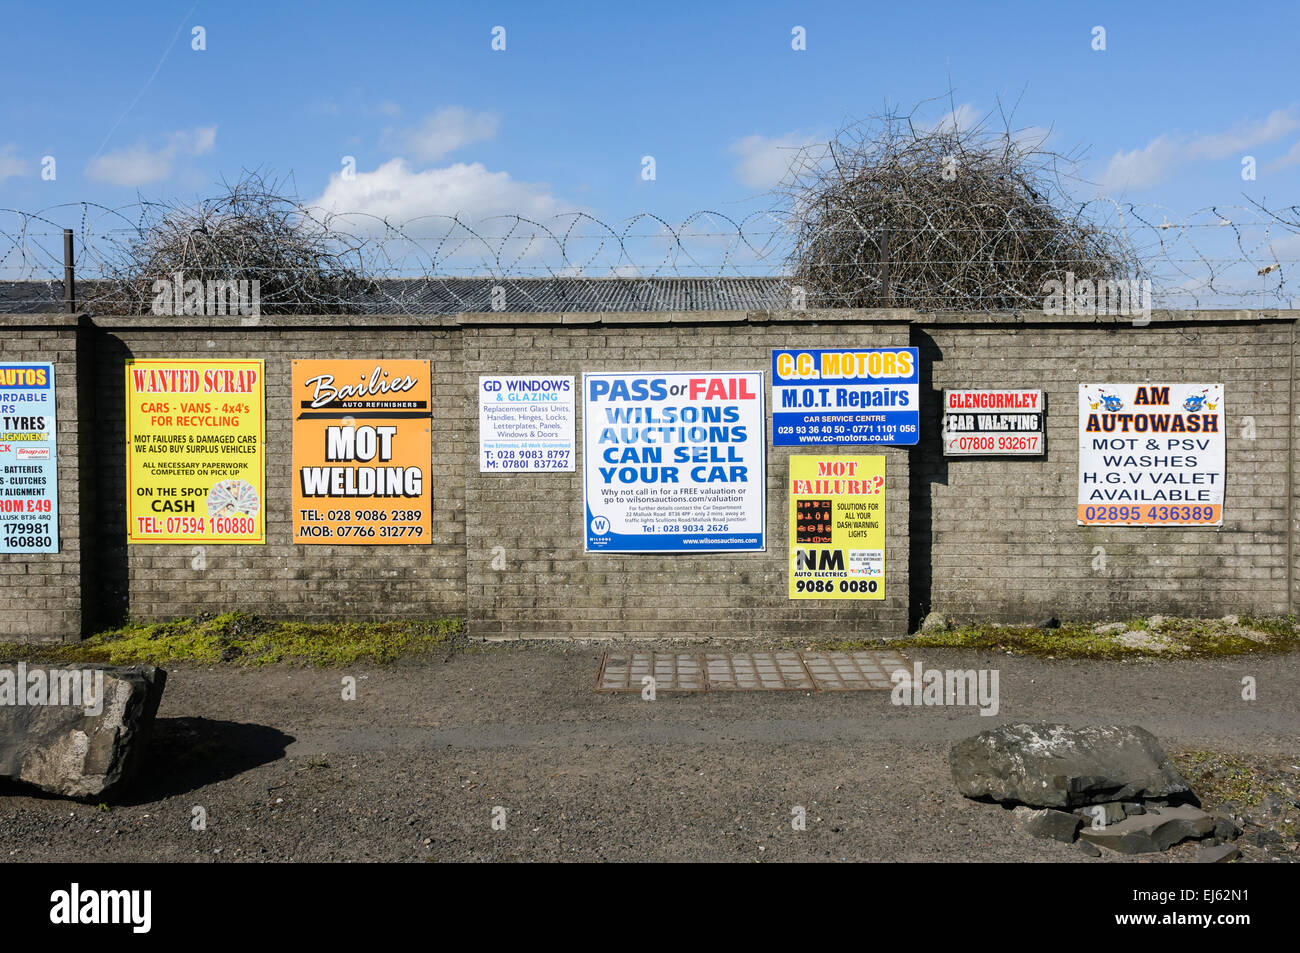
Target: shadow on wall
(108,590)
(927,466)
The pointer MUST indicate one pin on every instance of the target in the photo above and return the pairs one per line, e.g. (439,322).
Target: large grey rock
(1063,767)
(1047,823)
(79,746)
(1148,833)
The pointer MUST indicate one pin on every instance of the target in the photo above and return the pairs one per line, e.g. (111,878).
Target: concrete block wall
(552,588)
(41,595)
(976,538)
(281,578)
(1000,532)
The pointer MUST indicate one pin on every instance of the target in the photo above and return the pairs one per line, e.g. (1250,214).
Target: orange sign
(361,452)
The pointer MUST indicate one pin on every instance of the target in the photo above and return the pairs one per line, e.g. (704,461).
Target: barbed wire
(1239,255)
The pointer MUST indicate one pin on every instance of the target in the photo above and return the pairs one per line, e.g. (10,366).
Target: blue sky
(440,123)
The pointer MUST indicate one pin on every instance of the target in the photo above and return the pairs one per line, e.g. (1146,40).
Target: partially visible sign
(1151,454)
(846,397)
(29,460)
(673,461)
(993,423)
(837,527)
(362,449)
(195,439)
(525,424)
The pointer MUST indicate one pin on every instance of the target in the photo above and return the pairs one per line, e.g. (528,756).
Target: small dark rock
(1225,828)
(1132,808)
(1092,850)
(1053,825)
(231,653)
(1100,815)
(1219,854)
(1050,623)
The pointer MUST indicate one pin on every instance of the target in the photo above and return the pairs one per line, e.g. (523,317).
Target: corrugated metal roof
(457,295)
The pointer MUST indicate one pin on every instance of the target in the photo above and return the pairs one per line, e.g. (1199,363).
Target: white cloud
(1291,158)
(765,161)
(960,119)
(444,131)
(10,164)
(1246,135)
(140,165)
(1142,167)
(1151,164)
(398,193)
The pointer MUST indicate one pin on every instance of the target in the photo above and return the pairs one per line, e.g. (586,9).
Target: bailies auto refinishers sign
(362,452)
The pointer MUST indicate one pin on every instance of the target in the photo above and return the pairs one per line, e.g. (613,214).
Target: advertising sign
(846,397)
(525,424)
(29,460)
(837,527)
(1003,423)
(673,461)
(362,449)
(1151,454)
(195,439)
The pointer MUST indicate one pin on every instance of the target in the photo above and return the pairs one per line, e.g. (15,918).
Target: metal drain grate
(749,671)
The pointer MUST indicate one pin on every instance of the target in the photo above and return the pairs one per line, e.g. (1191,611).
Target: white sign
(1151,454)
(525,424)
(673,461)
(993,422)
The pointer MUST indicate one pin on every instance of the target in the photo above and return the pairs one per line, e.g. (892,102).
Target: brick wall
(41,593)
(550,587)
(999,533)
(990,538)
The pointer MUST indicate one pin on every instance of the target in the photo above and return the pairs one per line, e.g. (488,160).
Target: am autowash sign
(1151,454)
(673,461)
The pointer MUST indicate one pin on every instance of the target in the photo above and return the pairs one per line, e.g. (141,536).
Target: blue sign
(841,397)
(29,461)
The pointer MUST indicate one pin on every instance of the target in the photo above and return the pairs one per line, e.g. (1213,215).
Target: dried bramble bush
(895,213)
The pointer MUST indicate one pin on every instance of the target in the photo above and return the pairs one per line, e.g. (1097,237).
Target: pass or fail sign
(1151,454)
(673,461)
(998,423)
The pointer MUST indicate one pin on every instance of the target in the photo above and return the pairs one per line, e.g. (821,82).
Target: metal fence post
(69,275)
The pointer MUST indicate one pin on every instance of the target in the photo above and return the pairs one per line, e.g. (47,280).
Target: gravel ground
(413,769)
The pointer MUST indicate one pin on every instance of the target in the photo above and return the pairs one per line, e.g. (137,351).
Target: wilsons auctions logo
(76,906)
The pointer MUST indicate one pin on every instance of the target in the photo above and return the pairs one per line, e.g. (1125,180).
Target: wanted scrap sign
(673,461)
(195,446)
(361,452)
(1151,454)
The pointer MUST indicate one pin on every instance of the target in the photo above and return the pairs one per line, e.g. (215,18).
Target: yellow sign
(195,438)
(362,449)
(837,527)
